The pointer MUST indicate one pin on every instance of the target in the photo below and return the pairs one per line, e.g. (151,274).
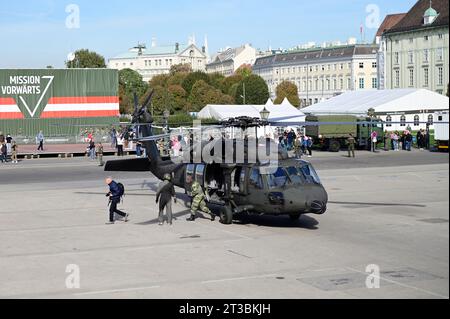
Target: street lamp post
(265,117)
(371,114)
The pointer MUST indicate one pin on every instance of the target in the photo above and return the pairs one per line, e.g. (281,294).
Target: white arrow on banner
(32,113)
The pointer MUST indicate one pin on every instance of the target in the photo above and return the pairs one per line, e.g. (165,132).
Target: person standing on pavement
(8,143)
(164,195)
(387,141)
(115,194)
(92,149)
(100,154)
(14,150)
(40,140)
(119,145)
(298,147)
(408,141)
(3,154)
(309,145)
(351,145)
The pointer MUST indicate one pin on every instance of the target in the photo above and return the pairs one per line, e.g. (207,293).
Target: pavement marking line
(237,278)
(101,292)
(403,285)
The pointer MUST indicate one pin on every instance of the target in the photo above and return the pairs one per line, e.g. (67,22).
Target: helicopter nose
(319,205)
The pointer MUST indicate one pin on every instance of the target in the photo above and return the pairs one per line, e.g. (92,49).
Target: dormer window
(430,16)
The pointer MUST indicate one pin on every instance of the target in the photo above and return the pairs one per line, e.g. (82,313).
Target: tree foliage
(287,90)
(245,70)
(181,68)
(192,78)
(130,82)
(256,91)
(228,83)
(86,59)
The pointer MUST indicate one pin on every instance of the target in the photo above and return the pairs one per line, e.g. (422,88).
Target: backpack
(121,189)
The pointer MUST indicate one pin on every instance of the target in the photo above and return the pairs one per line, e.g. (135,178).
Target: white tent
(407,105)
(383,101)
(284,112)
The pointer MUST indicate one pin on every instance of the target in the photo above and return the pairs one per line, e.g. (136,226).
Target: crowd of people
(397,141)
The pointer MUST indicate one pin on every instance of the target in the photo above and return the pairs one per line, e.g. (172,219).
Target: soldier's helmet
(167,177)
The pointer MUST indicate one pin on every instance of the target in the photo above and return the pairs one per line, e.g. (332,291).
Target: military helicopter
(251,184)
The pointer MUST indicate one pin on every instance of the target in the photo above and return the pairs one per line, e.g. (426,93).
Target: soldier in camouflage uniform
(199,202)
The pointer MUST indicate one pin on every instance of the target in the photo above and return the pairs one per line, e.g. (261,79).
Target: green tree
(86,59)
(204,94)
(287,90)
(130,82)
(177,98)
(192,78)
(159,80)
(216,80)
(245,70)
(228,83)
(256,91)
(177,78)
(180,68)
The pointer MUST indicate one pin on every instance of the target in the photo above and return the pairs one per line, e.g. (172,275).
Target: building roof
(389,22)
(228,55)
(414,18)
(383,101)
(317,54)
(159,50)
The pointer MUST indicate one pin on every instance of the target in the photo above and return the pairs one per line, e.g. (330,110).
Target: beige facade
(321,73)
(158,60)
(418,59)
(227,62)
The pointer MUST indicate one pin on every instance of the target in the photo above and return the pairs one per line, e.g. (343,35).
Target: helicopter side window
(295,176)
(278,179)
(199,172)
(235,180)
(256,179)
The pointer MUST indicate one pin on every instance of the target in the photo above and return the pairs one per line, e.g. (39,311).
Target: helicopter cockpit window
(295,176)
(256,179)
(235,180)
(309,174)
(278,179)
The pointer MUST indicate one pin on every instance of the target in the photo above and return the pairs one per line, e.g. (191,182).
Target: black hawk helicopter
(251,184)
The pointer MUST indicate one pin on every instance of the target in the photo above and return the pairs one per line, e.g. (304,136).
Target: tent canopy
(382,101)
(284,112)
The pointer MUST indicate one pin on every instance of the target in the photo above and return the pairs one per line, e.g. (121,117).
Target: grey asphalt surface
(386,209)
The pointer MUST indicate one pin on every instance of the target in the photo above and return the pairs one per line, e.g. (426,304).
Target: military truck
(333,134)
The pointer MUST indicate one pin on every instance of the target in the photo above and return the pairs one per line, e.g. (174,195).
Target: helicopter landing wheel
(226,215)
(295,217)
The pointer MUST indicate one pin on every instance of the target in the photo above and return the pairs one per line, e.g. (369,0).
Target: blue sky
(34,33)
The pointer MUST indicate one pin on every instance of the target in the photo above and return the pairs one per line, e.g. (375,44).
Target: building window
(396,58)
(416,120)
(440,75)
(361,83)
(342,66)
(341,84)
(397,78)
(411,77)
(374,83)
(328,84)
(411,40)
(425,38)
(410,57)
(440,36)
(440,54)
(349,84)
(403,120)
(430,119)
(425,77)
(374,65)
(361,65)
(388,121)
(426,55)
